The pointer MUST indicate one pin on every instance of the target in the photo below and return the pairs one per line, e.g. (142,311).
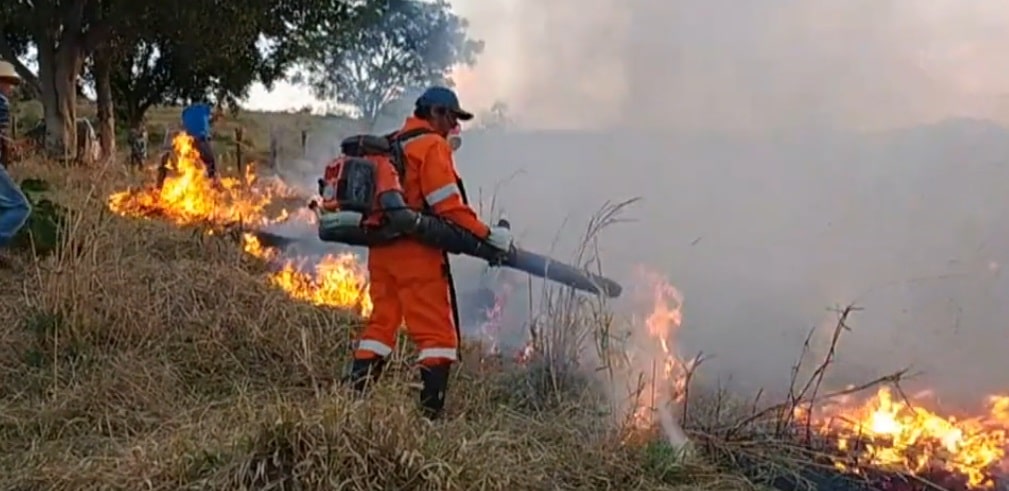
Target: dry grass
(149,357)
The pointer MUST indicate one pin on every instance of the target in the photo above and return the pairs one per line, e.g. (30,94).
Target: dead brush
(777,444)
(563,330)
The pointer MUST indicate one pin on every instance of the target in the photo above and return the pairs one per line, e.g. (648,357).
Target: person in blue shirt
(196,122)
(14,206)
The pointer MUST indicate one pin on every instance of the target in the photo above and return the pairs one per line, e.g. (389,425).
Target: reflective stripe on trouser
(443,353)
(415,293)
(377,347)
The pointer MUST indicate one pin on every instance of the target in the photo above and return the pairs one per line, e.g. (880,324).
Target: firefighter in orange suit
(411,282)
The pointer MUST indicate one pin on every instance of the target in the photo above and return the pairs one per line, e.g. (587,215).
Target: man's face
(6,87)
(444,121)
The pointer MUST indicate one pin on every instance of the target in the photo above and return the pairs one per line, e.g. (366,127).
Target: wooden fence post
(274,147)
(238,152)
(166,143)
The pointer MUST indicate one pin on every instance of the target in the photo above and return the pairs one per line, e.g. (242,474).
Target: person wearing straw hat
(14,207)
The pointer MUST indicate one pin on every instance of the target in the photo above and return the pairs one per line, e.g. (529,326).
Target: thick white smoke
(789,161)
(749,64)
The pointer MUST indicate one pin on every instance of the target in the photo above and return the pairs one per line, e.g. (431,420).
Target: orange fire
(189,197)
(883,431)
(336,280)
(659,370)
(889,432)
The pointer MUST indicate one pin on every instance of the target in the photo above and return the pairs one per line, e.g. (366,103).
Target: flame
(883,431)
(189,197)
(663,372)
(491,328)
(891,433)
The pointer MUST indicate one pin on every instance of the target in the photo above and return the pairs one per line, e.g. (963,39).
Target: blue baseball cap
(443,97)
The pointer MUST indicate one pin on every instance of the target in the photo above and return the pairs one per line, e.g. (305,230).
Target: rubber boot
(432,394)
(364,373)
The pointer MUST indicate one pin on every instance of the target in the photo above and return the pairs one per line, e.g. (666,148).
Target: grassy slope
(159,358)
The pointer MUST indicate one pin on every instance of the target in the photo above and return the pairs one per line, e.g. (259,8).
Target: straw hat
(8,73)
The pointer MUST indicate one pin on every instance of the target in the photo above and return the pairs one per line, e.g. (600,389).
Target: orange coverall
(409,280)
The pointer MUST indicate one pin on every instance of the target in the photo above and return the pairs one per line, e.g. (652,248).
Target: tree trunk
(59,66)
(103,89)
(135,117)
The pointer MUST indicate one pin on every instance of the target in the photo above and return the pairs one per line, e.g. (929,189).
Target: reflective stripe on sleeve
(441,194)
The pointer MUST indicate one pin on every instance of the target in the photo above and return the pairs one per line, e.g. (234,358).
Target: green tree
(405,45)
(165,63)
(210,46)
(64,33)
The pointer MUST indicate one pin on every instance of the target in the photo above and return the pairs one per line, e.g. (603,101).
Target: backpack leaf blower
(363,205)
(455,240)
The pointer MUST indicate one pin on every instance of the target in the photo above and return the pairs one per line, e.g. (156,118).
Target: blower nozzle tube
(442,234)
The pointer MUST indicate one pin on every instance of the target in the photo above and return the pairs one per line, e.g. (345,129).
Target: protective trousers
(411,284)
(206,151)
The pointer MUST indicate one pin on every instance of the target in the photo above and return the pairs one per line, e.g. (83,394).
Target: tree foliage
(64,33)
(405,45)
(144,53)
(184,54)
(44,230)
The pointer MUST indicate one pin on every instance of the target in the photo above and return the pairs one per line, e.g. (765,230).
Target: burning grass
(153,354)
(146,356)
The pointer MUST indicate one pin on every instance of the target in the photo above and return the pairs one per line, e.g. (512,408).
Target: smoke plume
(792,156)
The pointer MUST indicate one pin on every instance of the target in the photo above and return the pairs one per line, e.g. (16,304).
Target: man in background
(138,145)
(14,207)
(197,120)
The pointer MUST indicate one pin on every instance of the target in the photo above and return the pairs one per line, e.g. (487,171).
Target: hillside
(148,356)
(151,353)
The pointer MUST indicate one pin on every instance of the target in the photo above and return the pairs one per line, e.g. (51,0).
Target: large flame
(189,197)
(890,432)
(334,280)
(882,431)
(659,371)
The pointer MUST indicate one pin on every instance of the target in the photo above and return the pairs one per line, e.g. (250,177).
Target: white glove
(500,238)
(340,219)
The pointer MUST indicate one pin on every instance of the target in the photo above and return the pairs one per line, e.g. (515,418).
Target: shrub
(43,230)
